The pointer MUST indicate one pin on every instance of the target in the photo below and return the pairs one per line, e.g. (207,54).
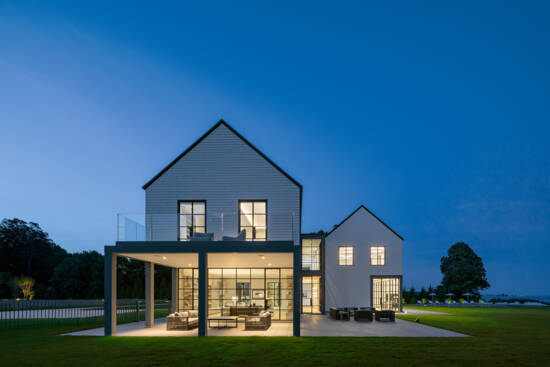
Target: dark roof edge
(371,213)
(220,122)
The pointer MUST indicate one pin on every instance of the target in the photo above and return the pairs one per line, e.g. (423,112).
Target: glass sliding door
(311,294)
(386,293)
(242,291)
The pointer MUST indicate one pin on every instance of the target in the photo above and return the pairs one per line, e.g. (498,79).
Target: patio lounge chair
(260,322)
(186,320)
(240,237)
(384,314)
(363,314)
(202,237)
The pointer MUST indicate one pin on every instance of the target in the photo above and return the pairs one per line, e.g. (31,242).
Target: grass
(502,336)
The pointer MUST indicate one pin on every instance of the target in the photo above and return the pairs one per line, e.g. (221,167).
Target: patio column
(174,301)
(149,294)
(110,296)
(297,290)
(203,293)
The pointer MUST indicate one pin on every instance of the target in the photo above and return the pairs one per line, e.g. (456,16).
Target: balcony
(223,227)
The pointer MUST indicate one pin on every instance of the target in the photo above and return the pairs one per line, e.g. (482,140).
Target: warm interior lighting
(164,258)
(262,257)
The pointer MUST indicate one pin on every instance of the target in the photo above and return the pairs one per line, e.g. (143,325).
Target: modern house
(227,220)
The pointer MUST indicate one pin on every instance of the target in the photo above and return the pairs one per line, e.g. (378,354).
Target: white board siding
(350,285)
(222,169)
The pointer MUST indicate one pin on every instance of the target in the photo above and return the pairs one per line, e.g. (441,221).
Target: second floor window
(192,218)
(311,254)
(253,219)
(377,255)
(345,255)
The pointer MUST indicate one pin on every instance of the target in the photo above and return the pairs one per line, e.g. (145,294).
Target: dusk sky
(434,116)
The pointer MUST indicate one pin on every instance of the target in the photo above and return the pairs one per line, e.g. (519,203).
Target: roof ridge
(371,213)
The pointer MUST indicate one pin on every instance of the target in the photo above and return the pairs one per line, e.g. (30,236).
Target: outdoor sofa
(185,320)
(363,314)
(384,315)
(259,322)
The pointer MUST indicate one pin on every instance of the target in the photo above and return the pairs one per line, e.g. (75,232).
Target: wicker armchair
(260,322)
(182,320)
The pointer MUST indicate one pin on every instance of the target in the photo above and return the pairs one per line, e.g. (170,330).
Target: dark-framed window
(345,255)
(253,219)
(192,218)
(311,254)
(377,255)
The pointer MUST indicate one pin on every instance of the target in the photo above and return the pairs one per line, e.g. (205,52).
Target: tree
(79,276)
(463,270)
(25,284)
(25,249)
(6,285)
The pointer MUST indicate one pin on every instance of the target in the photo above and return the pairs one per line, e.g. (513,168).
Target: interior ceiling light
(269,264)
(164,258)
(262,257)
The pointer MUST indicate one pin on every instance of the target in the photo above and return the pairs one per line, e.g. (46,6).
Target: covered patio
(219,282)
(311,325)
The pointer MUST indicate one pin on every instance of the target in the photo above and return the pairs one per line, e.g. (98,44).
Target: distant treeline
(26,251)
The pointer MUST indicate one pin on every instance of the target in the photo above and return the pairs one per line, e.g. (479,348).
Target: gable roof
(221,122)
(371,213)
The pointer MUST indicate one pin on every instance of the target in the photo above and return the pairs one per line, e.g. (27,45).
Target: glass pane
(198,208)
(272,273)
(198,220)
(248,233)
(257,283)
(246,220)
(243,273)
(214,273)
(260,233)
(259,207)
(229,273)
(286,273)
(259,220)
(246,207)
(185,220)
(186,208)
(199,229)
(257,273)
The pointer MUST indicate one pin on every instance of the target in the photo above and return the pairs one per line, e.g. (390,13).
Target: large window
(253,219)
(242,291)
(386,293)
(345,255)
(377,255)
(311,254)
(192,218)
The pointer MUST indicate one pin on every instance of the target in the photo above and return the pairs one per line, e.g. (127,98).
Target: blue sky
(435,116)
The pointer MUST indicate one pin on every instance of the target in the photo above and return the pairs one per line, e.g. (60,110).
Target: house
(227,220)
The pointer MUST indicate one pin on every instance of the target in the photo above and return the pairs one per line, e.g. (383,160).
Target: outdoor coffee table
(223,321)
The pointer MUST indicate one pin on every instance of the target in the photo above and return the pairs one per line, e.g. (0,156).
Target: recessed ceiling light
(262,257)
(189,265)
(269,264)
(164,258)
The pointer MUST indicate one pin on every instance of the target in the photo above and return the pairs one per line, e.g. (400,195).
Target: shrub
(461,300)
(424,300)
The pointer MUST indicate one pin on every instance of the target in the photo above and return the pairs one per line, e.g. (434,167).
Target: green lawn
(502,336)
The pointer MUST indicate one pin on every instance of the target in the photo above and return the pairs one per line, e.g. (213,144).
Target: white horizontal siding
(350,285)
(222,169)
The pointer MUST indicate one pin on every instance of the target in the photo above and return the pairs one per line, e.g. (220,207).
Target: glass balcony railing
(201,227)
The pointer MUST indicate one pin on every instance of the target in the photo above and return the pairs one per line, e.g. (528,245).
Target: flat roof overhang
(199,246)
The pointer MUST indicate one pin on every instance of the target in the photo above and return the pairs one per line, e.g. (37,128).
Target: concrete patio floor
(312,325)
